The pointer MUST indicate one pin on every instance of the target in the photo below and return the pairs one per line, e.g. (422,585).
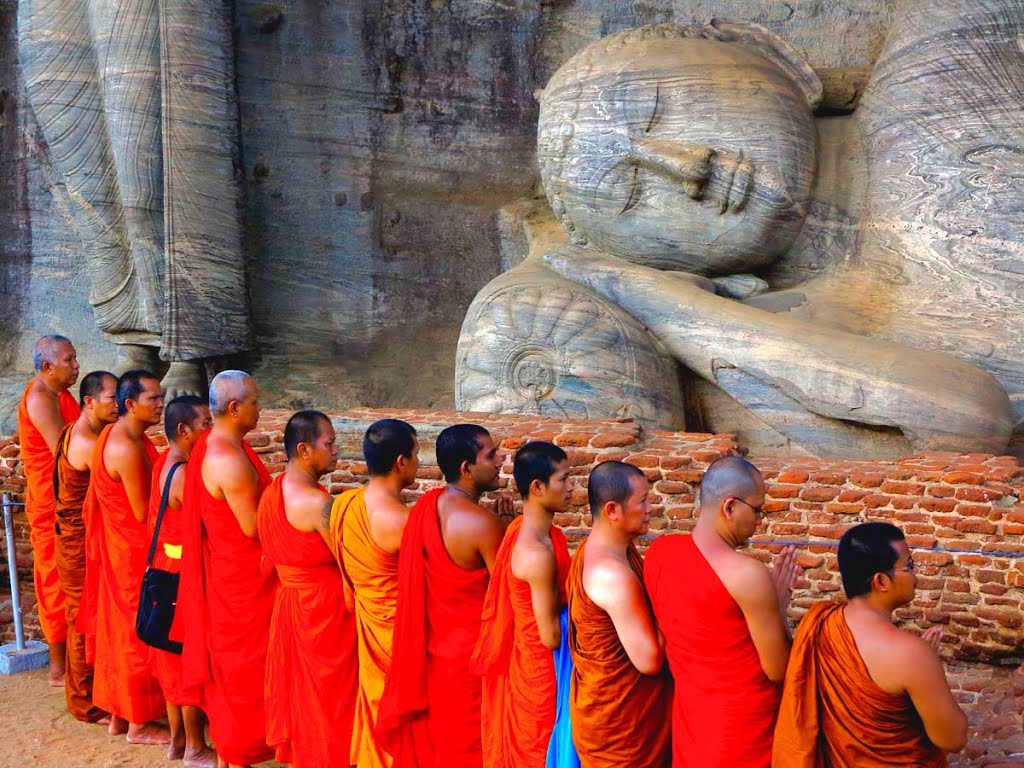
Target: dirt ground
(36,730)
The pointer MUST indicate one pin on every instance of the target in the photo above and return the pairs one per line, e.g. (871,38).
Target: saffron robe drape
(311,684)
(519,691)
(226,599)
(372,575)
(167,666)
(833,715)
(724,707)
(619,715)
(124,683)
(430,710)
(70,487)
(37,463)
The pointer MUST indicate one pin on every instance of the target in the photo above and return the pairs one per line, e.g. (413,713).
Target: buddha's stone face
(679,153)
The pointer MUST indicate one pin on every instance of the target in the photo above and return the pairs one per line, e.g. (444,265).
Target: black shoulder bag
(159,591)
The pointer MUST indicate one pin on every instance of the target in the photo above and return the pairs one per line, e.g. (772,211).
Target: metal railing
(12,567)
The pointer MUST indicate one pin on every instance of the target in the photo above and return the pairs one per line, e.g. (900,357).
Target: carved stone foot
(184,378)
(132,357)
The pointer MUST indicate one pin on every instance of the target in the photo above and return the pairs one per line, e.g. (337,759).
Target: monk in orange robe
(521,616)
(98,398)
(45,408)
(430,710)
(861,693)
(311,686)
(366,528)
(226,593)
(722,615)
(115,525)
(185,419)
(621,694)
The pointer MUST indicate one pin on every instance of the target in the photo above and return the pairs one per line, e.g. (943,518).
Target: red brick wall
(956,502)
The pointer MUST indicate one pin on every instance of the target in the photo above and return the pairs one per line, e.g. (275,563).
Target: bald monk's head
(186,417)
(467,455)
(309,442)
(235,401)
(55,361)
(617,493)
(731,495)
(97,394)
(391,448)
(541,473)
(875,563)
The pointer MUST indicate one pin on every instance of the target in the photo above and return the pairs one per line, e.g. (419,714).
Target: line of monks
(357,631)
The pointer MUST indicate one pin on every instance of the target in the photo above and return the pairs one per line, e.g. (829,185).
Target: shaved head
(46,348)
(228,386)
(729,477)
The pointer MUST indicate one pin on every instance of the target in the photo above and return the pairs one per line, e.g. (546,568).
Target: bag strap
(163,508)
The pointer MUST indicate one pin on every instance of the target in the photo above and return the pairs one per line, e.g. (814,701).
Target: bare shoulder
(531,560)
(607,578)
(472,518)
(746,579)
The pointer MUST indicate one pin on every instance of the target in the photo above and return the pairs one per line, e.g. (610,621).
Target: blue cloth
(561,750)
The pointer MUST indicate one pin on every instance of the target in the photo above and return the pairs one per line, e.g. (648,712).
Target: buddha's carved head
(687,148)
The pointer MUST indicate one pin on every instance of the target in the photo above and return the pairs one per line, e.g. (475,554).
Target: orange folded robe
(166,665)
(430,710)
(373,576)
(37,462)
(833,715)
(226,598)
(70,487)
(124,683)
(619,716)
(723,711)
(311,684)
(519,686)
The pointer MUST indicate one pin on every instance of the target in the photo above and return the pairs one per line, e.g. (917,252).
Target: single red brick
(902,488)
(793,476)
(780,491)
(819,493)
(962,478)
(613,440)
(851,495)
(844,509)
(876,500)
(975,526)
(642,461)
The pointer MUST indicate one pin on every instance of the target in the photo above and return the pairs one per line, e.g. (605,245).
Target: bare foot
(184,378)
(176,750)
(148,733)
(201,758)
(118,726)
(55,682)
(105,720)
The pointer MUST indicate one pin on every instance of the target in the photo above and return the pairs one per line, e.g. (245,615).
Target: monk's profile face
(902,582)
(103,405)
(62,368)
(324,450)
(486,469)
(678,153)
(148,408)
(188,434)
(744,513)
(247,412)
(203,421)
(556,495)
(636,512)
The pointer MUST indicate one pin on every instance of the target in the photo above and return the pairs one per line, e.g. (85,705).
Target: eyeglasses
(910,567)
(758,512)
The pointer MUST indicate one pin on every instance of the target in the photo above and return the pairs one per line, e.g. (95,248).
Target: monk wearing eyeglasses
(860,692)
(723,617)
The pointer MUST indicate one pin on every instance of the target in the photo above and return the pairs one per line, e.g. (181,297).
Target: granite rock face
(380,140)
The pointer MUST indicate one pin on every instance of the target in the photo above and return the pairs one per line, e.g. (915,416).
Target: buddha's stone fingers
(937,401)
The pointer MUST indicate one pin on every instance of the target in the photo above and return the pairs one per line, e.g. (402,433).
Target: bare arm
(615,589)
(45,416)
(177,494)
(241,490)
(755,593)
(539,570)
(130,466)
(944,721)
